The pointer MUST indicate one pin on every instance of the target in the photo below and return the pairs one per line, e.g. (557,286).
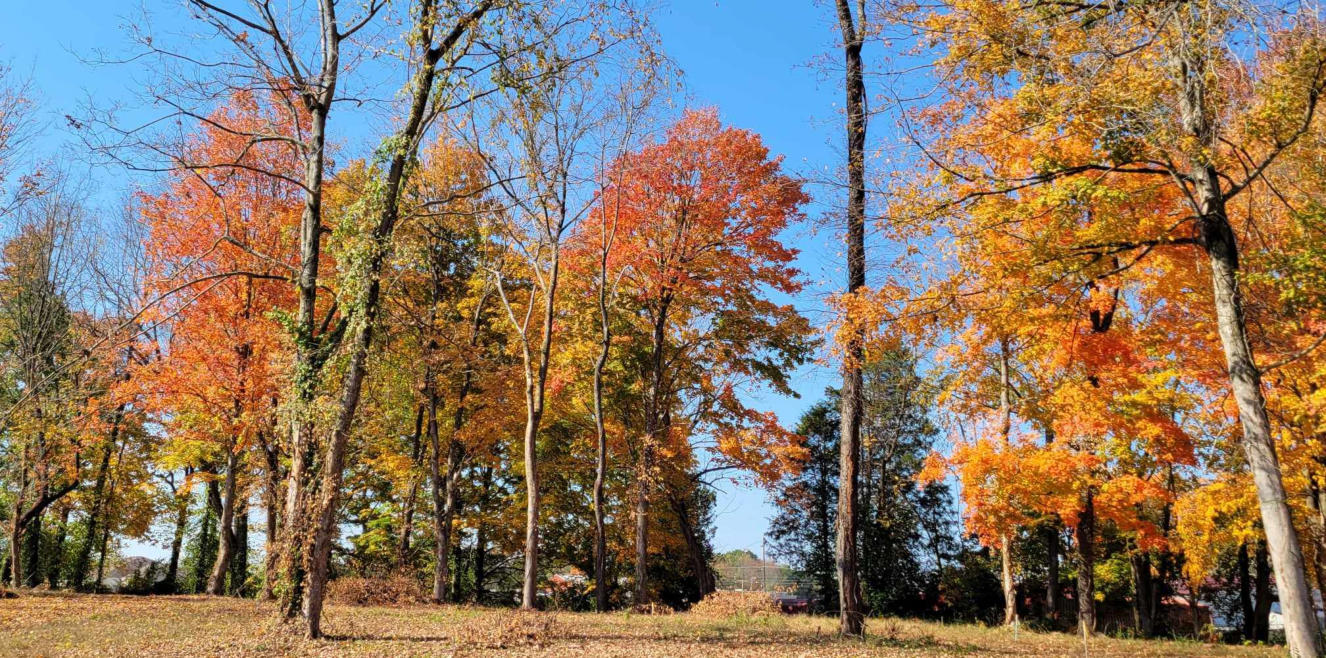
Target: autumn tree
(1133,96)
(699,217)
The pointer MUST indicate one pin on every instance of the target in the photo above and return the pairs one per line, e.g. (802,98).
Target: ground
(72,625)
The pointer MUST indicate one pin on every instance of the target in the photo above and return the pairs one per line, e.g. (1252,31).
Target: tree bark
(57,565)
(851,612)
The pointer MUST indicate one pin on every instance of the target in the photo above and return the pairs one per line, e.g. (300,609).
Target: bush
(385,590)
(720,605)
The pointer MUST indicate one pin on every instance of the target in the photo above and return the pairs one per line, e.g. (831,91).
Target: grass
(81,625)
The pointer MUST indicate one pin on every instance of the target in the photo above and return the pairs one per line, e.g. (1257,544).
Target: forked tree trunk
(851,610)
(216,583)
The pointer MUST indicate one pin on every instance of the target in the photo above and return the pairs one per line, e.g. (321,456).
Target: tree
(699,217)
(802,532)
(1149,97)
(851,610)
(221,250)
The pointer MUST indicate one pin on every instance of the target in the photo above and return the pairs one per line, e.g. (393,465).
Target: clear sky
(752,59)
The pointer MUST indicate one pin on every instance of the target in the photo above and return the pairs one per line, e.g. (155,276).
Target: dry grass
(70,625)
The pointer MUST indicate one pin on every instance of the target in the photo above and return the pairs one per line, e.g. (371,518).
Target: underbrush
(385,590)
(721,605)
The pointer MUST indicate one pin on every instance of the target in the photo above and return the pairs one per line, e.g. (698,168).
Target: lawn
(73,625)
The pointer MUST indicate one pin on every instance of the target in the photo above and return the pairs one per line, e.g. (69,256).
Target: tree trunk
(32,535)
(171,583)
(216,583)
(57,566)
(407,511)
(481,536)
(850,608)
(1009,586)
(1245,594)
(601,452)
(310,349)
(211,512)
(1220,244)
(1144,615)
(441,511)
(1085,533)
(1052,574)
(239,561)
(1261,629)
(704,577)
(84,560)
(1052,546)
(272,528)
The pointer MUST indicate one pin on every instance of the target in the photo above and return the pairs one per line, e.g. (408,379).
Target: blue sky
(752,59)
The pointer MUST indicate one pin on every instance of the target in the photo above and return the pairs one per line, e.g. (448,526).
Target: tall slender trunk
(601,452)
(1085,533)
(851,610)
(206,535)
(216,583)
(1221,246)
(536,379)
(271,511)
(1009,586)
(441,515)
(1052,548)
(32,536)
(656,430)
